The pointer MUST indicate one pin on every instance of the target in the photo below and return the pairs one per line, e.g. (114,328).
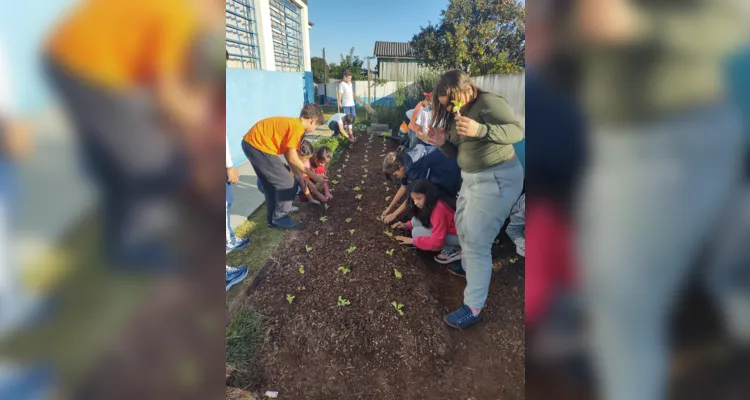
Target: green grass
(244,344)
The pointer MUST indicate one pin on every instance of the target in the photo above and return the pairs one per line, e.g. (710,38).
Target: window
(242,35)
(287,35)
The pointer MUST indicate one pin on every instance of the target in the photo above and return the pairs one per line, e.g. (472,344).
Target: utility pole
(325,76)
(369,99)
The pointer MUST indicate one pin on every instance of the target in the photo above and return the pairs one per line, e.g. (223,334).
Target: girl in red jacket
(433,227)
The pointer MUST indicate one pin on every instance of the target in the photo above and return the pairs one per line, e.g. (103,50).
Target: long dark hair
(432,196)
(450,84)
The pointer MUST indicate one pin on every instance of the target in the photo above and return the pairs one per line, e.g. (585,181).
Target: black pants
(278,183)
(138,171)
(334,126)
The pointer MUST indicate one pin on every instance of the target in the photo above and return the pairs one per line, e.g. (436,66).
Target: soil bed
(317,350)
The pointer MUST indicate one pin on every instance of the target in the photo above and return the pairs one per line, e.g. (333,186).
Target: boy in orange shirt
(264,143)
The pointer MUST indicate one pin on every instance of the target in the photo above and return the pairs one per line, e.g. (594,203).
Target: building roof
(393,49)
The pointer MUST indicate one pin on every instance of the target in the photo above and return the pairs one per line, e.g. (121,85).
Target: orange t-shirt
(276,135)
(120,44)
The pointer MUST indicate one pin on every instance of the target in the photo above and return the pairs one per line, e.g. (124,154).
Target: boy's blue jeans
(484,203)
(230,239)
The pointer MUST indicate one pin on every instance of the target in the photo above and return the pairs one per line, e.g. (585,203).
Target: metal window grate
(286,25)
(242,35)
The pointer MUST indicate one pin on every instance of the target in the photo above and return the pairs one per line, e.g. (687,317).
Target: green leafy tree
(348,62)
(476,36)
(318,65)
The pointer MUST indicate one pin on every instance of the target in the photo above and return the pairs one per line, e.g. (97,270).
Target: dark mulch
(318,350)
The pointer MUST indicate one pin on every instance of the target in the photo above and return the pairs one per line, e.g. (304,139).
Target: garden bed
(317,349)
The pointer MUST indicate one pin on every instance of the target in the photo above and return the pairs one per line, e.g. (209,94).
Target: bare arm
(396,198)
(292,157)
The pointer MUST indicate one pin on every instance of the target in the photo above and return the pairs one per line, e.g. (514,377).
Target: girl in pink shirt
(433,227)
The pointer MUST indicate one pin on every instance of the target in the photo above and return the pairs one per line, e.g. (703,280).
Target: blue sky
(343,24)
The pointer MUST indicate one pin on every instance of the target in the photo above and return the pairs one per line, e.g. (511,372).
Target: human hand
(329,196)
(318,178)
(437,136)
(386,212)
(313,201)
(321,198)
(466,126)
(398,225)
(405,240)
(389,218)
(233,176)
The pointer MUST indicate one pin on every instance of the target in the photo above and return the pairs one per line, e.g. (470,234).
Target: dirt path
(366,350)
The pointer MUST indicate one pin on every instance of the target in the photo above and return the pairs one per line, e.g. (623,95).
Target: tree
(476,36)
(318,65)
(348,62)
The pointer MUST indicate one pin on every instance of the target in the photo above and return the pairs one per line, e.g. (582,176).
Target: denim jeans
(516,229)
(418,230)
(484,203)
(650,199)
(229,231)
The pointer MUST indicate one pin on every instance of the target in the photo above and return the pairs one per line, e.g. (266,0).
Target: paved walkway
(246,198)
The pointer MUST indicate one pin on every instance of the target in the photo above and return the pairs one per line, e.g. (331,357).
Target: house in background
(396,62)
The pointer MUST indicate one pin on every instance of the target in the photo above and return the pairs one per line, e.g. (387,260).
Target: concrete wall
(253,95)
(380,95)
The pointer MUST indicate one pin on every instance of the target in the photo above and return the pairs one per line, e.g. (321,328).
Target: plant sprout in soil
(356,189)
(343,302)
(398,307)
(387,233)
(397,273)
(323,219)
(308,249)
(351,249)
(359,197)
(344,270)
(302,269)
(289,298)
(348,220)
(389,252)
(351,231)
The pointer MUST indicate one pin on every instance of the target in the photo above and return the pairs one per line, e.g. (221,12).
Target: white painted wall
(265,35)
(511,87)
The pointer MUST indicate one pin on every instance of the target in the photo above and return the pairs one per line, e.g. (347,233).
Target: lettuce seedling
(457,107)
(356,189)
(389,252)
(348,220)
(398,307)
(359,197)
(289,298)
(387,198)
(351,249)
(308,249)
(359,208)
(397,273)
(351,231)
(302,269)
(387,233)
(343,302)
(335,182)
(344,270)
(323,219)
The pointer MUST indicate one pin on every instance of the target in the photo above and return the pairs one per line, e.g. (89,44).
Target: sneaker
(461,318)
(447,257)
(283,223)
(238,244)
(455,268)
(235,275)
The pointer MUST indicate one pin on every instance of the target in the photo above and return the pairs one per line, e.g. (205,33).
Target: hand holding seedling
(405,240)
(457,104)
(466,126)
(389,218)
